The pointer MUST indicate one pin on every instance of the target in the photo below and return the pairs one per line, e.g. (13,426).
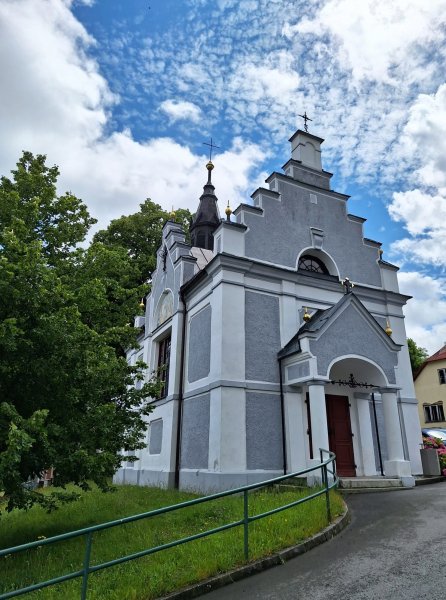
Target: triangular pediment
(352,319)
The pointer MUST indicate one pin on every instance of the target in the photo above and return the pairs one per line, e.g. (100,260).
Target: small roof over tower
(207,217)
(306,148)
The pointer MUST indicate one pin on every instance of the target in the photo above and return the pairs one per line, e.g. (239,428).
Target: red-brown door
(340,434)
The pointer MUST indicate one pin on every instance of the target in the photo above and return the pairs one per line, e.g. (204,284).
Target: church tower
(207,217)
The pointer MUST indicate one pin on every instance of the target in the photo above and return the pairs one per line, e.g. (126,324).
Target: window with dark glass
(201,239)
(442,375)
(312,264)
(163,365)
(433,413)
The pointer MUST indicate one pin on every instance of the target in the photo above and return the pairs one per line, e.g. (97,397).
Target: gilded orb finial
(388,329)
(141,304)
(172,215)
(307,316)
(210,166)
(228,212)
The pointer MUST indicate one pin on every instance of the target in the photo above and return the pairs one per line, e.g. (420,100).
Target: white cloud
(423,210)
(178,110)
(420,212)
(426,311)
(377,37)
(125,172)
(50,89)
(273,78)
(424,137)
(56,102)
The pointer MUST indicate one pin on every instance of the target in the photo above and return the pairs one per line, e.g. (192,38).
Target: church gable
(292,210)
(289,220)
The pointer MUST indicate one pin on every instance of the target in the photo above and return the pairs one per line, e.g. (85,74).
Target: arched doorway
(348,376)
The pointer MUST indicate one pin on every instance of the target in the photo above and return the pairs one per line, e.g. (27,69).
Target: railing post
(245,524)
(86,565)
(327,493)
(325,484)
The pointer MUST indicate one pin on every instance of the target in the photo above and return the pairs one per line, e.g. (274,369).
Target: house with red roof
(430,389)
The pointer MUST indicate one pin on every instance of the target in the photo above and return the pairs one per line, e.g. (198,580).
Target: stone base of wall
(205,482)
(129,476)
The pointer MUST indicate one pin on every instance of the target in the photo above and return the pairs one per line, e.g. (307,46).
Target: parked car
(435,432)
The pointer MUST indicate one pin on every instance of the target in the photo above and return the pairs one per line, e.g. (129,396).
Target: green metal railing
(328,478)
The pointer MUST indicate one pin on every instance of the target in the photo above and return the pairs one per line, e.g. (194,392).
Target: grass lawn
(163,572)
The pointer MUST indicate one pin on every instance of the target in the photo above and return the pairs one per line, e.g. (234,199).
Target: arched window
(312,264)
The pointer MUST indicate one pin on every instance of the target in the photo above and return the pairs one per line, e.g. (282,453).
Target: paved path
(394,548)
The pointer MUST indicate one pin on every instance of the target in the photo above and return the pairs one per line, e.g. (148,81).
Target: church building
(278,330)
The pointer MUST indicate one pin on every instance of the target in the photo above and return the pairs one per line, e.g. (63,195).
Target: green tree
(67,394)
(417,354)
(140,235)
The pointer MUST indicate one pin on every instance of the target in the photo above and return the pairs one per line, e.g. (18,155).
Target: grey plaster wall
(199,356)
(195,433)
(381,432)
(322,181)
(164,280)
(205,482)
(263,431)
(284,231)
(188,272)
(381,321)
(156,436)
(351,334)
(299,370)
(262,337)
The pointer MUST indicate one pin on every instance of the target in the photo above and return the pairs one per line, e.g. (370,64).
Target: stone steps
(356,485)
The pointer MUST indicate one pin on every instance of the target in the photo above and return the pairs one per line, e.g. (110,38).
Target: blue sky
(122,94)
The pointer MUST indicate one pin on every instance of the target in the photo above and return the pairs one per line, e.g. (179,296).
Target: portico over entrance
(340,358)
(341,417)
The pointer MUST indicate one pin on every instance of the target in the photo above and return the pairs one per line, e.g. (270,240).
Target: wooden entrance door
(340,434)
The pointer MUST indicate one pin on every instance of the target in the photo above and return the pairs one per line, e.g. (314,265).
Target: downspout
(180,393)
(377,435)
(282,409)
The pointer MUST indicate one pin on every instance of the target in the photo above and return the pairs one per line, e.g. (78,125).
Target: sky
(122,95)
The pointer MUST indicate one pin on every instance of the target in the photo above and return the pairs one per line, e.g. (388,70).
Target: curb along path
(279,558)
(393,549)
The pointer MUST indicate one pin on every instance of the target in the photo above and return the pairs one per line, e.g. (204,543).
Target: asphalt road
(394,548)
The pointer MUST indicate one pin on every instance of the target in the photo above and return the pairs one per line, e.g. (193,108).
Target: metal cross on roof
(211,146)
(306,118)
(348,285)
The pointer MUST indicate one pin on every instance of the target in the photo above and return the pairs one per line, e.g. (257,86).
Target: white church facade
(267,350)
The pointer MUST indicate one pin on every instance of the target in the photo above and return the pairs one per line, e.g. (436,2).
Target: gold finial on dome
(388,329)
(141,304)
(210,166)
(307,316)
(172,215)
(228,212)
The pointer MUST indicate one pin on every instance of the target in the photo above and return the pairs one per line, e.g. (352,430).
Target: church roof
(202,255)
(322,317)
(207,212)
(439,355)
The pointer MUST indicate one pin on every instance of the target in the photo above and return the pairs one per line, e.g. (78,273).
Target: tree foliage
(66,394)
(417,354)
(140,235)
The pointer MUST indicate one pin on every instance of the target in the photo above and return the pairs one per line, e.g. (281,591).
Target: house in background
(430,389)
(278,331)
